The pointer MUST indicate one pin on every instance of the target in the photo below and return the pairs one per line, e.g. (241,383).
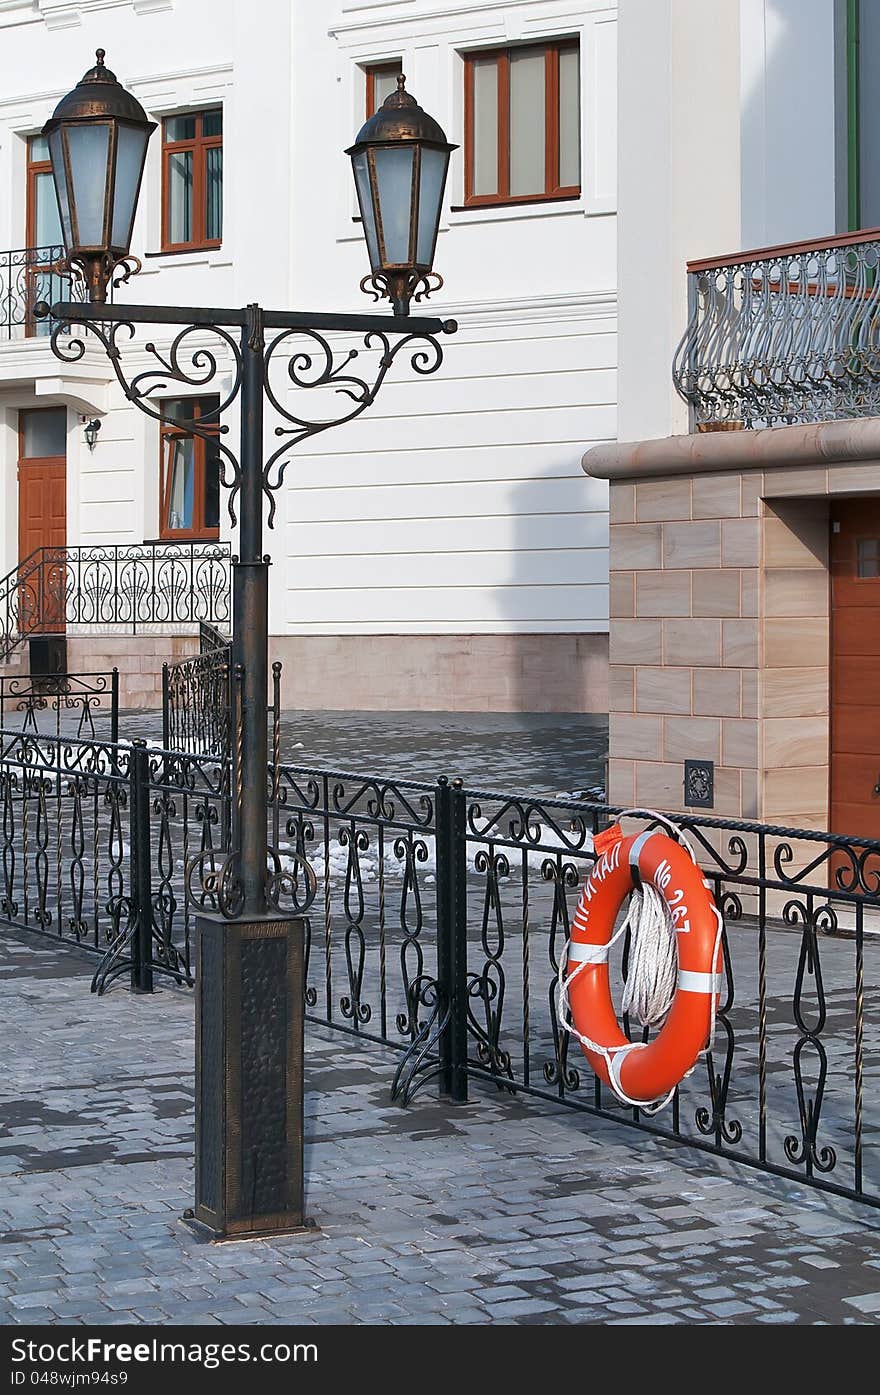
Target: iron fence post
(452,936)
(114,707)
(141,889)
(166,711)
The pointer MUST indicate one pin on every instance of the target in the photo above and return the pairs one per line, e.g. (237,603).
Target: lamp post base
(213,1237)
(249,1076)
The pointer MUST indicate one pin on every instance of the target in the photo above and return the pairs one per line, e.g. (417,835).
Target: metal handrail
(117,585)
(28,275)
(783,335)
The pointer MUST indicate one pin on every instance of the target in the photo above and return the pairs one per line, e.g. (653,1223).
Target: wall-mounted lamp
(90,431)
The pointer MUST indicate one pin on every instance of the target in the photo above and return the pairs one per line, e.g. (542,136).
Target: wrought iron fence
(437,917)
(27,275)
(127,586)
(66,698)
(197,703)
(783,335)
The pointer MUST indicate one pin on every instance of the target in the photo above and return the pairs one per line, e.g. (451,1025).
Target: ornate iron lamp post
(249,1014)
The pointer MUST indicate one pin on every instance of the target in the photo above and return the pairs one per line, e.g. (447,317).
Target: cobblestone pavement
(543,752)
(498,1211)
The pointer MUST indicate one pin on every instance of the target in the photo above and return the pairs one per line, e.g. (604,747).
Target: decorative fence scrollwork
(436,921)
(197,699)
(788,334)
(27,276)
(158,585)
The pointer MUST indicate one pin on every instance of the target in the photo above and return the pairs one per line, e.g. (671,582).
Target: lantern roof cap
(98,94)
(400,118)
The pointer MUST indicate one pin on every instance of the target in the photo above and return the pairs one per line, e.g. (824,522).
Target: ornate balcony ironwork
(783,335)
(27,276)
(157,584)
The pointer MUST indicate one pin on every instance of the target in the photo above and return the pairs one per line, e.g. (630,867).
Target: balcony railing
(26,276)
(783,335)
(144,585)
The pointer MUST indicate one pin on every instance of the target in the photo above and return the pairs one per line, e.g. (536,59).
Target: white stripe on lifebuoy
(637,846)
(587,954)
(690,981)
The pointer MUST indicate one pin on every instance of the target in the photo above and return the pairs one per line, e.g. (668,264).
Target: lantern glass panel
(433,178)
(360,165)
(394,181)
(131,146)
(59,172)
(87,146)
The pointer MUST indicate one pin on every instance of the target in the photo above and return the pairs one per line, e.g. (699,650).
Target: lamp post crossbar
(79,312)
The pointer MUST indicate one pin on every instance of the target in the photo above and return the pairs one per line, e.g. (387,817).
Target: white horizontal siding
(421,536)
(457,501)
(480,570)
(439,610)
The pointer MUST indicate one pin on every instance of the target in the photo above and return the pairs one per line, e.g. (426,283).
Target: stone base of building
(444,673)
(721,615)
(139,659)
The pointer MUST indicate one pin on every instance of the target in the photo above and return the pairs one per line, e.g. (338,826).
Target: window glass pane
(47,224)
(44,433)
(384,83)
(485,152)
(214,193)
(58,164)
(569,118)
(869,557)
(212,487)
(394,183)
(87,147)
(180,193)
(180,128)
(527,122)
(38,149)
(434,164)
(180,408)
(131,145)
(212,122)
(362,182)
(181,495)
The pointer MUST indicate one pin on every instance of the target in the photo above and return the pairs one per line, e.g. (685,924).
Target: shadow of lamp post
(250,901)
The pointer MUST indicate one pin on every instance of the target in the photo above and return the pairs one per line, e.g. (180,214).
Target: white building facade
(444,550)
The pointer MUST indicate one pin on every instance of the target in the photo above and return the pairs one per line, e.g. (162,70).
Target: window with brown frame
(189,479)
(381,81)
(192,180)
(522,124)
(43,237)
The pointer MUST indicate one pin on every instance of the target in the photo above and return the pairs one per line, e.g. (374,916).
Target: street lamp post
(249,945)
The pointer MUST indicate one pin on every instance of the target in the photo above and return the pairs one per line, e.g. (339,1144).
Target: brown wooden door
(855,667)
(42,521)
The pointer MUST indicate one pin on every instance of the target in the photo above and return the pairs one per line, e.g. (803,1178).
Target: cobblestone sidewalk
(499,1211)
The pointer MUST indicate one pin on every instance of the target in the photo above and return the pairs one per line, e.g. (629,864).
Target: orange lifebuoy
(639,1073)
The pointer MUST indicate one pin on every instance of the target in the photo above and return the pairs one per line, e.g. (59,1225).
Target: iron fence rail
(437,920)
(28,275)
(197,698)
(783,335)
(68,697)
(115,586)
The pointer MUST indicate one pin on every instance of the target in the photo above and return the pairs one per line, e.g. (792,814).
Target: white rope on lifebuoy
(652,972)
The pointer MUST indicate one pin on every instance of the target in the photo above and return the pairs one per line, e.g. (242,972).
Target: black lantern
(90,431)
(400,160)
(97,139)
